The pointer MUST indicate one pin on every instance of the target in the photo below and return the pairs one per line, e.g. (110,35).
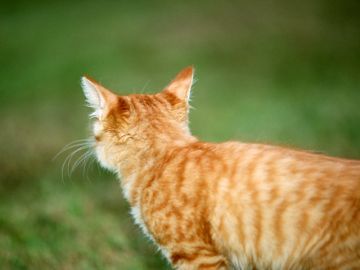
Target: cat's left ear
(97,96)
(181,85)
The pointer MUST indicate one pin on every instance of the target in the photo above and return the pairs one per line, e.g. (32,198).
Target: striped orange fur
(228,205)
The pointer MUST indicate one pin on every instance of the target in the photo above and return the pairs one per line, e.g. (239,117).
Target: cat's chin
(107,166)
(100,156)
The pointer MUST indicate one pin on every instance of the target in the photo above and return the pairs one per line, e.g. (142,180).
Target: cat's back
(269,163)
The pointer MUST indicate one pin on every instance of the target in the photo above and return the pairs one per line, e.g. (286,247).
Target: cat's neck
(141,156)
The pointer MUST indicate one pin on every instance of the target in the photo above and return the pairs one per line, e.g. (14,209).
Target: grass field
(283,73)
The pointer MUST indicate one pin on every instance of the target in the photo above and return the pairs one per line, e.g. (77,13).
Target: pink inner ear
(181,85)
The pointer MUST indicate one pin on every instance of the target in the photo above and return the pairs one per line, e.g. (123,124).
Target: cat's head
(125,125)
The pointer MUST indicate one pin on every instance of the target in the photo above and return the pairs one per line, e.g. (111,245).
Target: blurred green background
(282,72)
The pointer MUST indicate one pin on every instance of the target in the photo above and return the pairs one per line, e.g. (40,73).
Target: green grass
(281,73)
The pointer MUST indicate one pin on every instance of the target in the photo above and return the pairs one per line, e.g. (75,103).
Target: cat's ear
(181,85)
(97,96)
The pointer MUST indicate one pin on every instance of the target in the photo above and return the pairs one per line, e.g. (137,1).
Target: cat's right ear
(97,96)
(180,87)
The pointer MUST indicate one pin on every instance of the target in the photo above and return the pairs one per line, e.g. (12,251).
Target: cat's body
(263,206)
(217,206)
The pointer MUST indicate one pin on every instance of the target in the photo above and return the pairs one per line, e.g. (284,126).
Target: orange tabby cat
(227,205)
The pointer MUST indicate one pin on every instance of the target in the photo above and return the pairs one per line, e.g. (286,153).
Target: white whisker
(78,161)
(72,145)
(89,160)
(69,158)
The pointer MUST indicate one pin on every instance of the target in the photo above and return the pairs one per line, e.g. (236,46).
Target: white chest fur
(136,213)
